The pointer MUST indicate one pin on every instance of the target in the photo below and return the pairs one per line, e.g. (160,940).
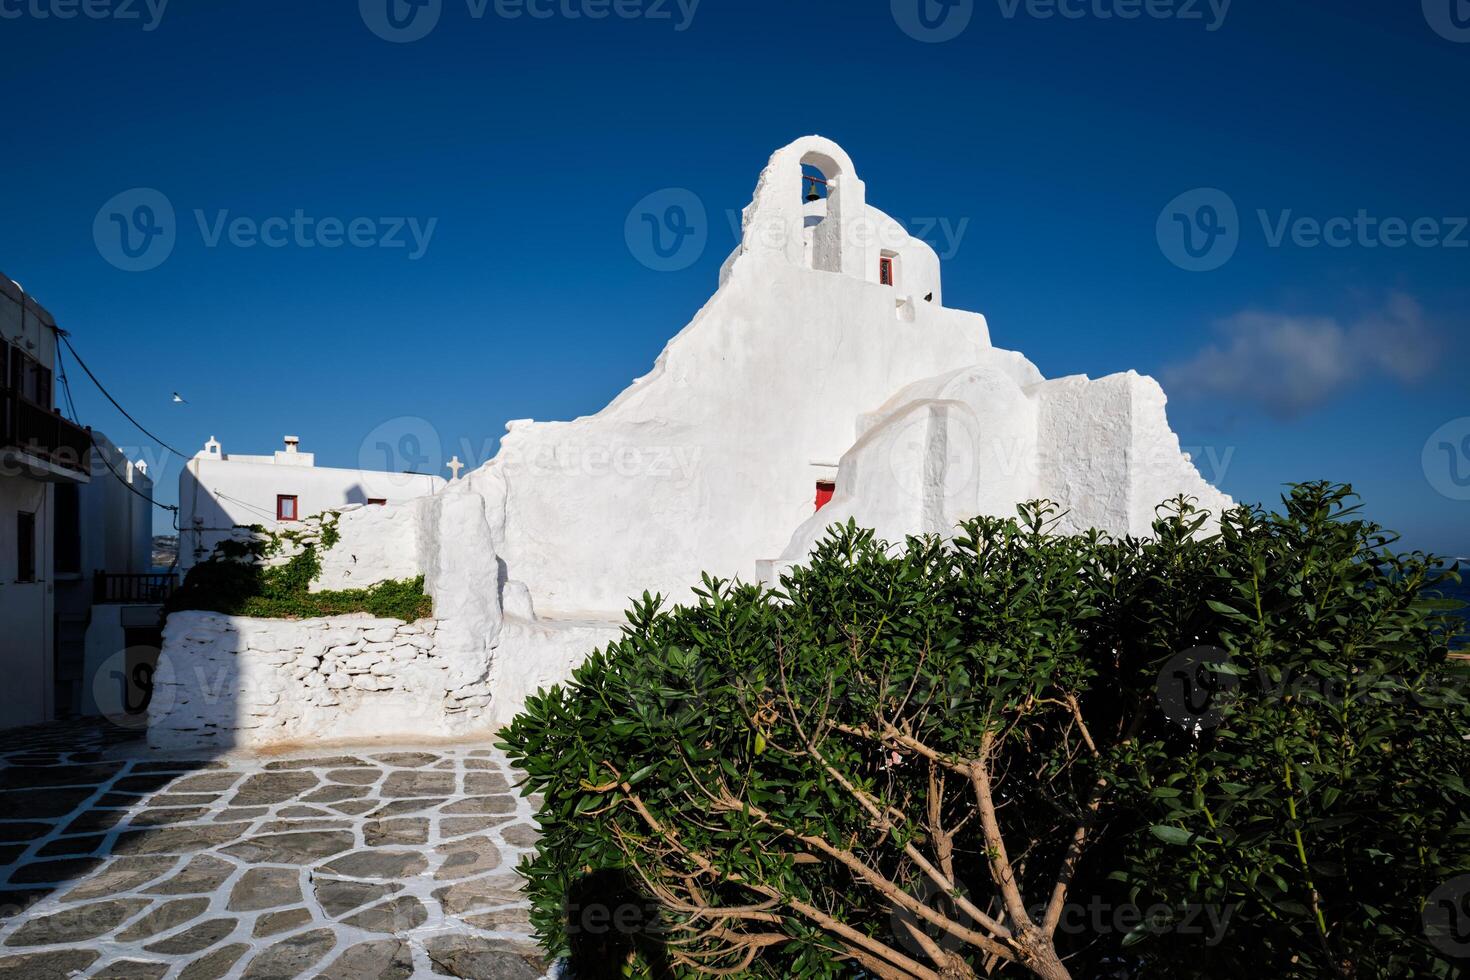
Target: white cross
(455,465)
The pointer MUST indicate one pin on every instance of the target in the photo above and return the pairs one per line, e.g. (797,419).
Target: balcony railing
(43,434)
(133,590)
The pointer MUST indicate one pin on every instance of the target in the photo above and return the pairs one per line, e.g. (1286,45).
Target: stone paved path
(369,862)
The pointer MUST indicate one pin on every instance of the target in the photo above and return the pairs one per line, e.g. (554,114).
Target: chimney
(292,443)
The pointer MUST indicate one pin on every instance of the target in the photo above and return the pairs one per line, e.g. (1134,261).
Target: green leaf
(1173,835)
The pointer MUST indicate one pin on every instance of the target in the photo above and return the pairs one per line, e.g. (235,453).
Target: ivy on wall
(249,578)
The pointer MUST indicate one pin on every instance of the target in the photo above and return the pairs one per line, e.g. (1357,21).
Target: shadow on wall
(211,522)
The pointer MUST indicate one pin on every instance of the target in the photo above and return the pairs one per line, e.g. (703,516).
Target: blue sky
(1043,156)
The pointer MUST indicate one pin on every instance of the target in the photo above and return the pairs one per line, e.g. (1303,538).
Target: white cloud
(1290,364)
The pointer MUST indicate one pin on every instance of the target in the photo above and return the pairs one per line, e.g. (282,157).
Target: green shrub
(331,534)
(237,585)
(999,756)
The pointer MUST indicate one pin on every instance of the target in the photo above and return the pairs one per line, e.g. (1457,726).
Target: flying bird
(179,399)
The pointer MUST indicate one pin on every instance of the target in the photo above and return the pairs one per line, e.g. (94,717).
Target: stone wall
(237,681)
(375,544)
(228,681)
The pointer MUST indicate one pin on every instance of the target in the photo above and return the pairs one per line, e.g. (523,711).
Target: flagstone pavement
(381,861)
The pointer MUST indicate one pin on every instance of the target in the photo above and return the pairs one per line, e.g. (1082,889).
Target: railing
(45,435)
(133,590)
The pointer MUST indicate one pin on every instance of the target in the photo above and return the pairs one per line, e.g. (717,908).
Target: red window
(825,489)
(885,271)
(286,508)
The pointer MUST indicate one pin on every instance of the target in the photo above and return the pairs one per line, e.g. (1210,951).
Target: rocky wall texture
(373,544)
(234,681)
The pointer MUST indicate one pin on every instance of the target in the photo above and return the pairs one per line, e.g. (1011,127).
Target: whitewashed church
(824,380)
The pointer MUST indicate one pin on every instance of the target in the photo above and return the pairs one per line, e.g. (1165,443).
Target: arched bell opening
(822,213)
(814,191)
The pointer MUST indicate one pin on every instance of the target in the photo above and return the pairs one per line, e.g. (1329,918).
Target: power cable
(66,387)
(246,504)
(63,335)
(102,455)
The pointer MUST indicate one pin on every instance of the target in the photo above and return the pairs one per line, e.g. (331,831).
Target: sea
(1462,593)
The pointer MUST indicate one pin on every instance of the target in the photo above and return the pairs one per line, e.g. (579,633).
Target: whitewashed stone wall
(227,681)
(981,440)
(376,544)
(236,681)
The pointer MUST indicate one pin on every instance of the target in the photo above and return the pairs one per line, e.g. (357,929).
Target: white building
(825,362)
(825,379)
(39,451)
(219,491)
(109,612)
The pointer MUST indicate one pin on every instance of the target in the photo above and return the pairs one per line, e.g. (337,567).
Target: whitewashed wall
(25,607)
(981,440)
(376,544)
(218,493)
(228,681)
(233,681)
(116,523)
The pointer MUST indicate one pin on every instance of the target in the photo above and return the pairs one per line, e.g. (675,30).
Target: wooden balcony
(27,430)
(133,590)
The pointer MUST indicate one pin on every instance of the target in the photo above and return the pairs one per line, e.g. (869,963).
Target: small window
(286,508)
(825,490)
(885,270)
(25,547)
(377,502)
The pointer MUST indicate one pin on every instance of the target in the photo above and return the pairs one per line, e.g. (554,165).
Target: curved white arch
(775,219)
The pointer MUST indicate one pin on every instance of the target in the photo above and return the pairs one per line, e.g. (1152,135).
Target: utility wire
(245,503)
(62,334)
(102,453)
(66,387)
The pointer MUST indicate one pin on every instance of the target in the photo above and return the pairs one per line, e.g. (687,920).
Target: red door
(825,489)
